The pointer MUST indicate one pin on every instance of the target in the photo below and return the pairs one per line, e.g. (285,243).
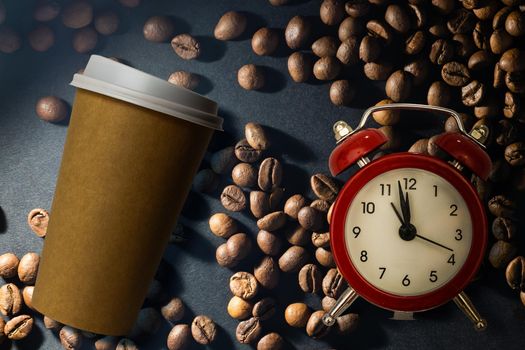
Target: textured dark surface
(299,117)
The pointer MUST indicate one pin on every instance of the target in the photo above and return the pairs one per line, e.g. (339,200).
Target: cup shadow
(289,145)
(211,49)
(275,81)
(3,221)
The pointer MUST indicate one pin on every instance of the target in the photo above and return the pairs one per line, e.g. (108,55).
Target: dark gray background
(299,116)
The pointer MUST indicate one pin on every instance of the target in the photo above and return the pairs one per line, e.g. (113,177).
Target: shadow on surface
(274,80)
(211,49)
(289,145)
(3,221)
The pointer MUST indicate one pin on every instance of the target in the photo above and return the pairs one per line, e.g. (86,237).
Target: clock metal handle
(465,304)
(345,300)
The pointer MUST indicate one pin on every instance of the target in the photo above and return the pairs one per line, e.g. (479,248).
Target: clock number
(451,260)
(433,277)
(356,231)
(435,191)
(459,235)
(454,209)
(364,256)
(406,281)
(368,207)
(410,183)
(383,269)
(385,189)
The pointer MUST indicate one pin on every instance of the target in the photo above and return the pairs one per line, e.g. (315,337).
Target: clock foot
(465,304)
(343,303)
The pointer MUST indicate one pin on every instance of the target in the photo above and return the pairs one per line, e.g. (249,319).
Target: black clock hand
(397,213)
(434,242)
(403,205)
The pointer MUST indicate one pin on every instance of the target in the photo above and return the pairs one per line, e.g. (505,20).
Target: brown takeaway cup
(133,145)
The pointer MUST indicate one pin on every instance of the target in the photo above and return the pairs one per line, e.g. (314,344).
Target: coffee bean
(379,29)
(267,273)
(348,51)
(18,327)
(418,14)
(463,45)
(439,29)
(473,93)
(203,330)
(386,117)
(250,77)
(186,46)
(357,8)
(85,40)
(512,105)
(271,341)
(515,153)
(415,43)
(248,331)
(264,309)
(515,273)
(233,198)
(293,259)
(278,2)
(310,218)
(187,80)
(107,23)
(10,299)
(499,77)
(480,60)
(452,126)
(310,278)
(8,265)
(256,136)
(158,29)
(324,257)
(223,258)
(481,36)
(276,198)
(265,41)
(327,68)
(10,40)
(461,21)
(70,338)
(515,82)
(244,285)
(502,253)
(488,108)
(393,137)
(294,204)
(418,70)
(173,311)
(297,314)
(321,205)
(515,23)
(28,268)
(398,18)
(347,324)
(49,323)
(272,221)
(455,74)
(205,181)
(333,284)
(321,240)
(38,220)
(512,60)
(504,229)
(444,6)
(259,203)
(222,225)
(297,235)
(52,109)
(41,39)
(27,296)
(500,41)
(329,214)
(126,344)
(342,92)
(315,327)
(108,343)
(77,14)
(487,10)
(270,174)
(46,11)
(441,52)
(223,161)
(244,175)
(502,206)
(325,46)
(398,86)
(297,32)
(350,28)
(230,26)
(239,246)
(325,187)
(300,67)
(239,308)
(370,49)
(332,12)
(246,153)
(328,303)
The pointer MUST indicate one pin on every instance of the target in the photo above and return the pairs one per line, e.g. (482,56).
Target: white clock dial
(419,265)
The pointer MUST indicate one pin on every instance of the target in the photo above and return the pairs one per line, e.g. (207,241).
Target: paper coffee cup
(133,145)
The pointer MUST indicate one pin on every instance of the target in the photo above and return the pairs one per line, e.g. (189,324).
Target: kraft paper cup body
(125,173)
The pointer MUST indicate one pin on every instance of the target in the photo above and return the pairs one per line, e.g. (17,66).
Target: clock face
(422,253)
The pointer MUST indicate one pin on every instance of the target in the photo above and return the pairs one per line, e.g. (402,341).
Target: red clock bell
(408,231)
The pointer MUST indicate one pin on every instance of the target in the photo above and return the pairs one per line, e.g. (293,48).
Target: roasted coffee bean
(455,74)
(324,257)
(499,77)
(185,79)
(398,86)
(256,136)
(239,308)
(398,18)
(244,175)
(294,204)
(480,60)
(293,259)
(49,323)
(28,268)
(10,40)
(223,258)
(276,198)
(439,28)
(126,344)
(386,117)
(239,246)
(205,181)
(310,218)
(327,68)
(269,243)
(264,309)
(85,40)
(222,225)
(321,240)
(18,327)
(327,303)
(250,77)
(265,41)
(297,32)
(158,29)
(271,341)
(504,229)
(483,188)
(420,146)
(300,67)
(38,220)
(70,338)
(515,23)
(325,187)
(452,126)
(8,265)
(41,39)
(473,93)
(441,52)
(515,273)
(507,132)
(148,323)
(342,93)
(321,205)
(415,43)
(27,296)
(393,137)
(259,203)
(310,278)
(110,343)
(515,82)
(186,46)
(500,41)
(223,161)
(502,206)
(515,153)
(378,70)
(230,26)
(461,22)
(369,49)
(107,23)
(512,105)
(444,6)
(488,108)
(325,46)
(272,221)
(379,29)
(246,153)
(248,331)
(267,273)
(46,11)
(297,235)
(52,109)
(173,311)
(77,14)
(10,299)
(347,324)
(333,284)
(350,28)
(233,198)
(332,12)
(203,330)
(244,285)
(502,253)
(348,51)
(315,327)
(487,10)
(481,36)
(297,314)
(419,70)
(463,45)
(512,60)
(498,22)
(270,174)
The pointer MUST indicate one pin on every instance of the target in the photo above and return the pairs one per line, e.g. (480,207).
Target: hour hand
(403,203)
(397,213)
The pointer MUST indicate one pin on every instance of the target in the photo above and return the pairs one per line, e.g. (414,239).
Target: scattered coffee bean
(270,174)
(244,175)
(8,265)
(300,67)
(512,106)
(347,53)
(10,40)
(239,308)
(324,257)
(508,132)
(315,327)
(515,273)
(18,327)
(272,221)
(398,18)
(173,311)
(297,32)
(230,26)
(398,86)
(350,28)
(386,117)
(347,324)
(185,79)
(249,331)
(269,243)
(310,218)
(342,93)
(502,253)
(10,299)
(420,146)
(325,187)
(239,246)
(502,206)
(415,43)
(500,41)
(379,29)
(223,258)
(52,109)
(179,337)
(504,229)
(203,330)
(473,93)
(27,296)
(158,29)
(297,314)
(321,240)
(333,284)
(512,60)
(28,268)
(259,203)
(49,323)
(186,46)
(233,198)
(515,153)
(393,137)
(515,23)
(327,68)
(85,40)
(515,82)
(442,51)
(325,46)
(264,309)
(357,8)
(70,338)
(46,11)
(107,23)
(250,77)
(378,70)
(265,41)
(256,136)
(77,14)
(294,204)
(244,285)
(276,198)
(246,153)
(328,303)
(293,259)
(480,60)
(267,273)
(38,220)
(481,36)
(370,49)
(332,12)
(438,94)
(126,344)
(455,74)
(107,343)
(463,45)
(41,39)
(271,341)
(222,225)
(310,278)
(297,235)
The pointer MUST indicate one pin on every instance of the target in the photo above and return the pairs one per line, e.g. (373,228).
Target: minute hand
(434,242)
(404,204)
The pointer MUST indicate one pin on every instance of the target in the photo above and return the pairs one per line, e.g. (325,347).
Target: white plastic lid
(117,80)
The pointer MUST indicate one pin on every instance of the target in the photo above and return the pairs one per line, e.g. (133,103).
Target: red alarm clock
(408,231)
